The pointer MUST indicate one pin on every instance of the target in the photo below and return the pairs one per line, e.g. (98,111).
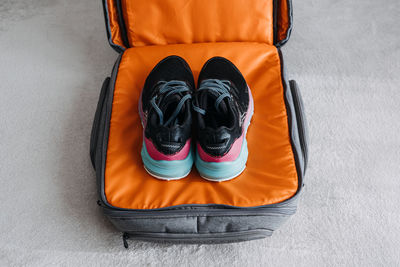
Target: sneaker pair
(220,110)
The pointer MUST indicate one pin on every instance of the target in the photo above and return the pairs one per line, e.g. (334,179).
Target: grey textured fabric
(208,238)
(206,223)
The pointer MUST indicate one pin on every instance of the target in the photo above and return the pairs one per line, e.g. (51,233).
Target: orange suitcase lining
(161,22)
(270,176)
(112,25)
(133,23)
(284,21)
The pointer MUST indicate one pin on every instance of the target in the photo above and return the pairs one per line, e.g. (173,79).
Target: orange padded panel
(161,22)
(283,20)
(270,176)
(113,23)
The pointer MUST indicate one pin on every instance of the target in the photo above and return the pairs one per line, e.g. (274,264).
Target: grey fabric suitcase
(192,222)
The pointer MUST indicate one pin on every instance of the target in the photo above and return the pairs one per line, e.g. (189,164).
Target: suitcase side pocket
(301,120)
(96,122)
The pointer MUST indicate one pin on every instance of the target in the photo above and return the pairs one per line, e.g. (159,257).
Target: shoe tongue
(209,98)
(165,102)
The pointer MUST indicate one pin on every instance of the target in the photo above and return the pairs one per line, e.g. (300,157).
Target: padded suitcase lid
(133,23)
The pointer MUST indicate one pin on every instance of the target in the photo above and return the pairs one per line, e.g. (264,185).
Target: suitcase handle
(96,122)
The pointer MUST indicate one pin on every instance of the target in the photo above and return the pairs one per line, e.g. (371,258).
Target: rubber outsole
(165,178)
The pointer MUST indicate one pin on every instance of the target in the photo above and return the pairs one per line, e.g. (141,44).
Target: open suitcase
(265,195)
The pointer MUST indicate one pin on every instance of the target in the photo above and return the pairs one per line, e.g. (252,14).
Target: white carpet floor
(345,56)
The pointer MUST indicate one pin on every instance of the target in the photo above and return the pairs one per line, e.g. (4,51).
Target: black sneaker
(165,111)
(224,107)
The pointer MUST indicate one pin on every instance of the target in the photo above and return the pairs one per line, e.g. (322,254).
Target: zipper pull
(125,237)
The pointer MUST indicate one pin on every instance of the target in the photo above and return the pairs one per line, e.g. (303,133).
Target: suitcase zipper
(275,20)
(209,212)
(125,237)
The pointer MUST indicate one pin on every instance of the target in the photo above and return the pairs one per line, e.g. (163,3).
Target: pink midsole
(157,155)
(237,145)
